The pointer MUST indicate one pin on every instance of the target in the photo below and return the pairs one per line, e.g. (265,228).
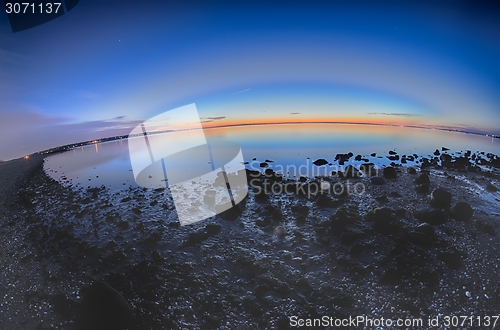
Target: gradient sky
(105,66)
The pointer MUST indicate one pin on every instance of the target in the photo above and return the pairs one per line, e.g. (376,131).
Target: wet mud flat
(418,242)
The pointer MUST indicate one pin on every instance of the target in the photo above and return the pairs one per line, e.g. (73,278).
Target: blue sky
(107,65)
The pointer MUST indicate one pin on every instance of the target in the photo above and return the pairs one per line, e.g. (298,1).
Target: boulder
(431,216)
(425,228)
(422,188)
(419,238)
(422,178)
(376,180)
(104,308)
(491,188)
(320,162)
(350,172)
(440,198)
(462,211)
(390,173)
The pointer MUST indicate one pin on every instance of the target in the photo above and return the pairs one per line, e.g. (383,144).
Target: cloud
(211,119)
(243,91)
(295,113)
(398,114)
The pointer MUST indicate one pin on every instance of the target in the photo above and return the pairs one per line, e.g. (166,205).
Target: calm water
(293,148)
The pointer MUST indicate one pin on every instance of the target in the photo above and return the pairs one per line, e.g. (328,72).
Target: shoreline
(271,258)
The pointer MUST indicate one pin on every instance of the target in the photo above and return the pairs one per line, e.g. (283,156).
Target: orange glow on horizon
(301,120)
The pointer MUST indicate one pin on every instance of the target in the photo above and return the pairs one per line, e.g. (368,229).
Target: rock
(412,170)
(419,238)
(213,228)
(263,222)
(280,231)
(358,158)
(431,216)
(392,152)
(123,224)
(373,154)
(491,188)
(367,168)
(384,221)
(440,198)
(104,308)
(350,172)
(394,158)
(445,159)
(462,211)
(436,153)
(264,165)
(301,209)
(422,178)
(422,188)
(320,162)
(425,228)
(390,173)
(376,180)
(444,149)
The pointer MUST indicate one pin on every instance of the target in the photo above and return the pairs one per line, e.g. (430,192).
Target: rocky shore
(418,242)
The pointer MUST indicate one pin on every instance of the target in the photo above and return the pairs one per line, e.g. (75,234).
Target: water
(292,148)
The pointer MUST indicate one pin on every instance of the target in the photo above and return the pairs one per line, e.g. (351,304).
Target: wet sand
(384,253)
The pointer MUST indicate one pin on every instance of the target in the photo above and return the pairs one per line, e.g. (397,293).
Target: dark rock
(301,209)
(213,228)
(425,228)
(491,188)
(451,259)
(431,216)
(422,188)
(373,154)
(486,228)
(350,172)
(394,158)
(444,149)
(104,308)
(412,170)
(445,159)
(320,162)
(263,222)
(390,173)
(123,224)
(392,152)
(462,211)
(367,168)
(384,221)
(264,165)
(400,213)
(358,158)
(376,180)
(437,153)
(440,198)
(419,238)
(422,178)
(340,219)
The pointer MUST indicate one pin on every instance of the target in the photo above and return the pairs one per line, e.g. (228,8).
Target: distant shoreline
(71,146)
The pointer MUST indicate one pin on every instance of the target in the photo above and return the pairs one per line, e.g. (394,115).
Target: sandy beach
(74,258)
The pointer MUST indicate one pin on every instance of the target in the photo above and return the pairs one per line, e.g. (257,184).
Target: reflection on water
(287,145)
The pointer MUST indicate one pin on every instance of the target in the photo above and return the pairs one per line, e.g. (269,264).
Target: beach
(416,243)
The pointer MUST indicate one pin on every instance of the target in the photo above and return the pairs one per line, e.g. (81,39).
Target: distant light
(26,157)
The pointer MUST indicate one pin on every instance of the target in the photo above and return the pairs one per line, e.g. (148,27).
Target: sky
(106,66)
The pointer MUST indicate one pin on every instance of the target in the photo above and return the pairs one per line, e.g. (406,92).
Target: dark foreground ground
(76,258)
